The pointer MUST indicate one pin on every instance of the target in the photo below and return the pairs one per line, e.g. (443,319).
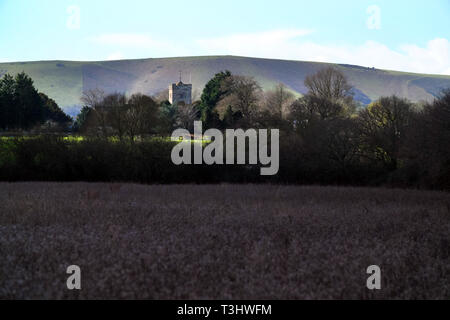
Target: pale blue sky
(396,34)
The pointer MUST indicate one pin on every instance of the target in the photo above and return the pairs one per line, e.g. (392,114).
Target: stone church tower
(180,93)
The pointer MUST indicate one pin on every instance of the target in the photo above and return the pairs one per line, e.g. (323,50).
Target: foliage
(81,120)
(323,139)
(22,107)
(382,126)
(117,115)
(212,93)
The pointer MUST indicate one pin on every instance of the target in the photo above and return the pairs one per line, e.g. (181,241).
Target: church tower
(180,93)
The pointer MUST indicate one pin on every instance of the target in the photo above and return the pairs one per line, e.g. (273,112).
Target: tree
(302,113)
(161,96)
(213,92)
(330,93)
(23,107)
(52,111)
(231,119)
(428,143)
(81,121)
(341,142)
(115,105)
(278,101)
(116,114)
(186,115)
(243,94)
(438,125)
(326,108)
(93,99)
(3,113)
(329,97)
(7,118)
(382,126)
(27,102)
(168,119)
(310,109)
(141,116)
(329,84)
(438,114)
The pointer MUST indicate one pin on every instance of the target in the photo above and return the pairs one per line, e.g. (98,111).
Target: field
(222,241)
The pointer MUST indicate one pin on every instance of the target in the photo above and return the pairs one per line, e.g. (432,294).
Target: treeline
(326,137)
(22,107)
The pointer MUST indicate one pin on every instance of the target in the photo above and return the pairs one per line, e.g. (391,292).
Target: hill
(64,81)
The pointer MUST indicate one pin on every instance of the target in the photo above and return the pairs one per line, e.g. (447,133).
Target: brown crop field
(222,241)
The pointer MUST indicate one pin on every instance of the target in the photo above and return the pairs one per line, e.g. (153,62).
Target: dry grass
(223,241)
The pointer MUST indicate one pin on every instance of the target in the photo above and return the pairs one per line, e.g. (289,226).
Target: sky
(404,35)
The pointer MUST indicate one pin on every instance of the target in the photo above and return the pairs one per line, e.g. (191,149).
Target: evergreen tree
(27,102)
(6,101)
(22,106)
(52,111)
(81,119)
(213,92)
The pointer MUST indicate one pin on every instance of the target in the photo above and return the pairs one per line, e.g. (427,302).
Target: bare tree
(186,115)
(341,141)
(325,108)
(329,97)
(244,96)
(278,101)
(329,84)
(94,99)
(301,113)
(161,96)
(116,106)
(428,142)
(141,116)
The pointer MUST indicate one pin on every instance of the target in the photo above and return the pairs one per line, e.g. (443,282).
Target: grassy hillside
(65,81)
